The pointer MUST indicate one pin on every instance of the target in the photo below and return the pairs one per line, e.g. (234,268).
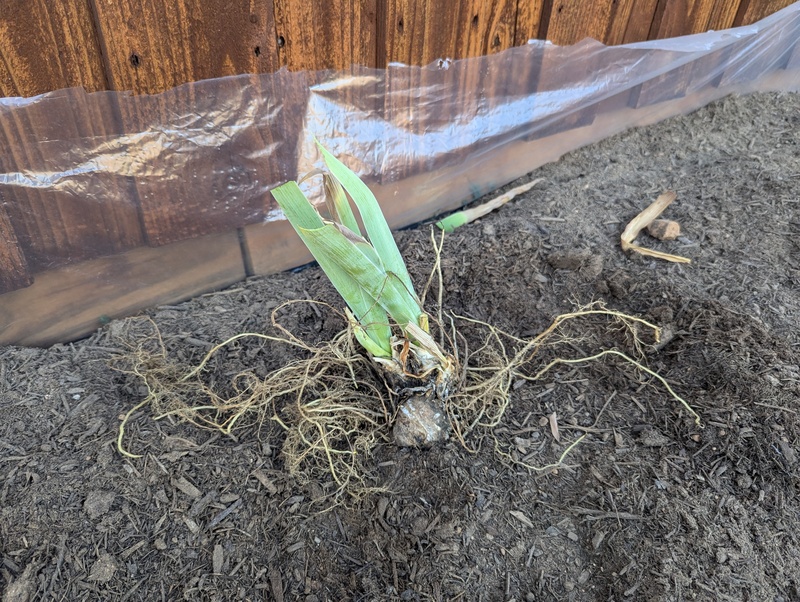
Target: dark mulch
(646,507)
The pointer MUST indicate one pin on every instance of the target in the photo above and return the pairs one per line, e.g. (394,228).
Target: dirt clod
(664,229)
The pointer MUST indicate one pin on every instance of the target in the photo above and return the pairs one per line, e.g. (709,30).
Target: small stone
(217,559)
(572,536)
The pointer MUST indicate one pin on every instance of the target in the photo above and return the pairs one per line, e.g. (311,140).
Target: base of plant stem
(421,422)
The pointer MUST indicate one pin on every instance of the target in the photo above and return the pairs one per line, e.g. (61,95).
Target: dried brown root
(334,410)
(329,404)
(505,359)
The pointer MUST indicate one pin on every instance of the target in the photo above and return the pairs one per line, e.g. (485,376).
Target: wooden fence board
(571,21)
(529,21)
(54,220)
(46,45)
(774,53)
(153,45)
(209,182)
(751,11)
(326,35)
(684,17)
(419,32)
(630,21)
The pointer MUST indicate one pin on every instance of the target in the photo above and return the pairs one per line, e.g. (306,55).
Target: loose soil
(647,507)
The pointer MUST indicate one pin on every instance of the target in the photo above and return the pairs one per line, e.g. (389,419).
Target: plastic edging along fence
(111,202)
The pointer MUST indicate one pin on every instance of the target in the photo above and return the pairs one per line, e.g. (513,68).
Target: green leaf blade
(378,231)
(304,218)
(382,286)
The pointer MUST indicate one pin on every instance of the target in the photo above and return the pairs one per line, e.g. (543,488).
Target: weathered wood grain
(571,21)
(751,11)
(685,17)
(529,20)
(326,35)
(46,45)
(72,301)
(630,21)
(419,32)
(153,45)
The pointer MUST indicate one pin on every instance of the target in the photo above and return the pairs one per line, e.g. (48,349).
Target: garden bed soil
(648,506)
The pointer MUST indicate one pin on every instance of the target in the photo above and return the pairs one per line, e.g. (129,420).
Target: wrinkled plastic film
(88,175)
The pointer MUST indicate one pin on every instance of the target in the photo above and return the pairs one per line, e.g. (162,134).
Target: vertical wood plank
(13,266)
(630,21)
(572,20)
(59,209)
(419,32)
(773,52)
(47,45)
(204,153)
(686,17)
(334,34)
(751,11)
(679,18)
(153,45)
(529,20)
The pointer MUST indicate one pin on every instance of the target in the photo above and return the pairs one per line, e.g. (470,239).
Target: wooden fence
(148,46)
(64,272)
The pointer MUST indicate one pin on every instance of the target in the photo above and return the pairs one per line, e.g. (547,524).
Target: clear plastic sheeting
(86,175)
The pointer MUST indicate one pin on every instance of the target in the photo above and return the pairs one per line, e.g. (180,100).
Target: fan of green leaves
(365,266)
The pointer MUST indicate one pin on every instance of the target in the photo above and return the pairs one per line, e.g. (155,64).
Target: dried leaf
(644,219)
(455,220)
(554,426)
